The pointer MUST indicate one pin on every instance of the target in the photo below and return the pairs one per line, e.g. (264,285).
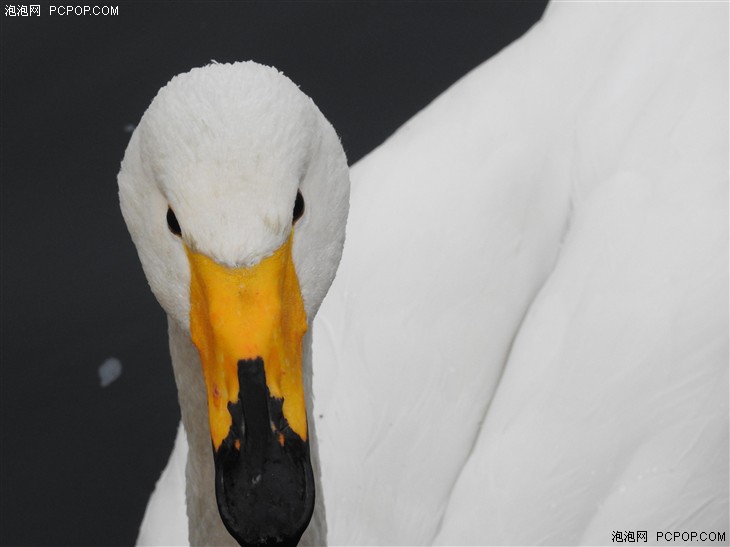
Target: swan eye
(298,207)
(172,222)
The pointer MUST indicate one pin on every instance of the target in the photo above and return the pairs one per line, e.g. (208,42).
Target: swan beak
(248,325)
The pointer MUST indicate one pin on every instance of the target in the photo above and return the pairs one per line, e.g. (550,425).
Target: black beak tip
(264,479)
(265,517)
(264,513)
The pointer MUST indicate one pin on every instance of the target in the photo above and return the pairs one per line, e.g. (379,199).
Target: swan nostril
(172,222)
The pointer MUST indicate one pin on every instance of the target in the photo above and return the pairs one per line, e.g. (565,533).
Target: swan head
(235,190)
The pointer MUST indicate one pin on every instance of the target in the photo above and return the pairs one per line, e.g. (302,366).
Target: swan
(235,191)
(526,340)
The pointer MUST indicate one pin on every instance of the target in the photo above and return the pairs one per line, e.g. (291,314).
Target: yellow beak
(248,325)
(244,314)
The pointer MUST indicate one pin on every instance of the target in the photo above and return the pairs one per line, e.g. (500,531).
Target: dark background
(78,461)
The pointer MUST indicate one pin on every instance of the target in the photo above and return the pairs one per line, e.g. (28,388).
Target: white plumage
(527,338)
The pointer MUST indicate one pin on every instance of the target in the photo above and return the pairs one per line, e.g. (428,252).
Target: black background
(78,461)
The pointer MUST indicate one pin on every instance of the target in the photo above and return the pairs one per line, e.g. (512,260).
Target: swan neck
(316,533)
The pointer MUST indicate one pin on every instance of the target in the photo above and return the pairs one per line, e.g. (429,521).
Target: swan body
(538,353)
(526,341)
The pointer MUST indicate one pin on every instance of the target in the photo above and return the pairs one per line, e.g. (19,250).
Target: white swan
(210,187)
(555,225)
